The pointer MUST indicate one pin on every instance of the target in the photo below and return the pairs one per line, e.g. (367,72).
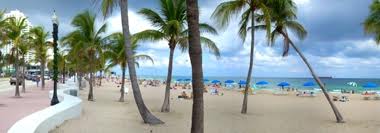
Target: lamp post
(55,100)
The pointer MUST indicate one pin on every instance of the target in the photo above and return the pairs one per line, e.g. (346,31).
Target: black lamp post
(55,100)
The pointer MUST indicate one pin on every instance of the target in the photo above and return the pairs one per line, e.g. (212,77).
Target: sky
(335,46)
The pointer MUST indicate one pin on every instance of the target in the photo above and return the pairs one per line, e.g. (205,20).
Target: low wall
(49,118)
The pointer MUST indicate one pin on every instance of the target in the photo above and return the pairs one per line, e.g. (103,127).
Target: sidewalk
(13,109)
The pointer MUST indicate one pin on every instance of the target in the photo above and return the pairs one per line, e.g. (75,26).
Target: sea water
(330,83)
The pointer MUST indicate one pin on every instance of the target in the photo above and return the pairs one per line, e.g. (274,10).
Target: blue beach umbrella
(370,85)
(242,82)
(215,81)
(283,84)
(262,83)
(309,84)
(229,81)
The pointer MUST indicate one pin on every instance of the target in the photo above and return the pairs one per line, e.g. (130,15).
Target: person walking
(37,80)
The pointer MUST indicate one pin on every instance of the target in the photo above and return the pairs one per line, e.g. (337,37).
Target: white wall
(49,118)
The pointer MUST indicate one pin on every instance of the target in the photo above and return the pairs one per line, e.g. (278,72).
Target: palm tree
(372,22)
(171,21)
(223,14)
(284,18)
(107,7)
(23,49)
(3,26)
(40,46)
(90,40)
(195,52)
(76,57)
(15,27)
(115,53)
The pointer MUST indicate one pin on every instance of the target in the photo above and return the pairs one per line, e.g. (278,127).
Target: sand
(267,113)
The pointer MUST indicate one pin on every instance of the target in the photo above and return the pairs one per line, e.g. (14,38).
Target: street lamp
(55,100)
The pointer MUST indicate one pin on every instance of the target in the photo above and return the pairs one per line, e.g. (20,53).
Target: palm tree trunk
(339,118)
(23,74)
(17,93)
(195,53)
(146,115)
(166,104)
(90,93)
(123,66)
(80,77)
(42,69)
(64,72)
(101,77)
(248,86)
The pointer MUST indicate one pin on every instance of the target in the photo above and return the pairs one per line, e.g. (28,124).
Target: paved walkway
(13,109)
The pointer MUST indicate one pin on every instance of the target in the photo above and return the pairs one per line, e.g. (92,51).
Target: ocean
(330,83)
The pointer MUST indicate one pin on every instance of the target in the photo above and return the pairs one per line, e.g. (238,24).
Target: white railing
(49,118)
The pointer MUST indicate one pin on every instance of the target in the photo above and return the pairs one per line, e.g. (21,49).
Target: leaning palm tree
(38,37)
(107,6)
(195,53)
(372,22)
(226,11)
(115,54)
(15,27)
(284,18)
(90,40)
(171,27)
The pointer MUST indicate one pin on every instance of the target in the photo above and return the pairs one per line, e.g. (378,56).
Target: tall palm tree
(171,24)
(90,40)
(15,27)
(223,14)
(107,6)
(195,52)
(285,19)
(24,48)
(115,53)
(372,22)
(40,46)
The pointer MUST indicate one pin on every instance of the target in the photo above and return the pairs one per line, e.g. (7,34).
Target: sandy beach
(267,113)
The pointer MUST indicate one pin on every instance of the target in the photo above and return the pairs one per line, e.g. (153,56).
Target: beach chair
(366,97)
(335,98)
(377,97)
(344,99)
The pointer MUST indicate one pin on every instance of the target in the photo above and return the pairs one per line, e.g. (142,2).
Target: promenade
(13,109)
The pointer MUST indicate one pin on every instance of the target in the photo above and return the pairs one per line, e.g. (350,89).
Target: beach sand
(267,113)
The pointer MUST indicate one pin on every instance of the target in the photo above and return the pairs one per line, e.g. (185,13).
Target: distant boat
(329,77)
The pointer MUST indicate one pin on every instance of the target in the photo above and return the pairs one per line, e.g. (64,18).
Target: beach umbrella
(215,81)
(370,85)
(242,82)
(262,83)
(229,81)
(353,84)
(283,84)
(309,84)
